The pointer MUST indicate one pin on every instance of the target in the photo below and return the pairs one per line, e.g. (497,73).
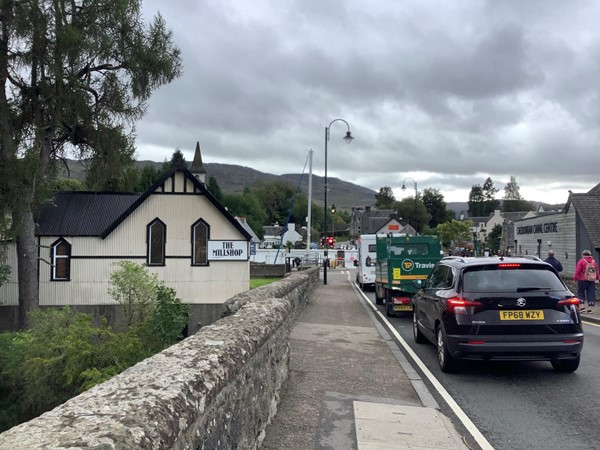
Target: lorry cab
(367,258)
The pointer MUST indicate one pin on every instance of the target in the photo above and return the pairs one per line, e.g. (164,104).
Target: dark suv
(504,309)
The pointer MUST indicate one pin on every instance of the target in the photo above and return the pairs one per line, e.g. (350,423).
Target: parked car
(299,245)
(498,309)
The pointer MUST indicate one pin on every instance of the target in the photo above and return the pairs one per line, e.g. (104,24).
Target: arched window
(200,236)
(156,240)
(60,254)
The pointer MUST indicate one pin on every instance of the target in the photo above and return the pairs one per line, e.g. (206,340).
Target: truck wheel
(389,306)
(389,310)
(378,299)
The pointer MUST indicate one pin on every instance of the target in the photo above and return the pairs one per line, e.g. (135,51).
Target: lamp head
(332,208)
(348,138)
(403,187)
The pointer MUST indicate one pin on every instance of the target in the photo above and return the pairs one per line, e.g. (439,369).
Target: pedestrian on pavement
(553,261)
(586,275)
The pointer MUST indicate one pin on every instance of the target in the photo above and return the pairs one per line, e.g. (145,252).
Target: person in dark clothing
(553,261)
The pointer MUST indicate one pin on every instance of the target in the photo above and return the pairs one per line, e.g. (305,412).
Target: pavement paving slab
(346,388)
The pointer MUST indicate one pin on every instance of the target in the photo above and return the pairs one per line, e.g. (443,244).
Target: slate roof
(588,208)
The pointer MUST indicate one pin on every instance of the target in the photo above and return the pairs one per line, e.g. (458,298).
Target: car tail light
(401,301)
(476,342)
(570,301)
(508,265)
(457,305)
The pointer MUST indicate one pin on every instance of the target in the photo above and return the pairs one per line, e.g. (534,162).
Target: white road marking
(469,425)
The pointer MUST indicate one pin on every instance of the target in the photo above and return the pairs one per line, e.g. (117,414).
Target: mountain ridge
(233,178)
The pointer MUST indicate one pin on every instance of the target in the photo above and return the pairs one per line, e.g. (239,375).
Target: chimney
(198,169)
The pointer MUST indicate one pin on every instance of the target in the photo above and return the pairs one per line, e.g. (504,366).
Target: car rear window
(518,278)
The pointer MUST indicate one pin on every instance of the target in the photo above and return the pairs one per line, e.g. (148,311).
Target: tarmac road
(523,405)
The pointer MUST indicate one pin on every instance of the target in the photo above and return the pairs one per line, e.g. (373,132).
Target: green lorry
(401,259)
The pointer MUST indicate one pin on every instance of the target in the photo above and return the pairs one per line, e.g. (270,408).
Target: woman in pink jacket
(586,275)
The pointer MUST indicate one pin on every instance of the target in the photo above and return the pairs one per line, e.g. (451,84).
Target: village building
(177,229)
(568,232)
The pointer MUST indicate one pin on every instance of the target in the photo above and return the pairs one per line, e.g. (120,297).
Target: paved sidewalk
(349,387)
(594,316)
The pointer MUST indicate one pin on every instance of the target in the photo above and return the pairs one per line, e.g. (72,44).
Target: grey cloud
(448,89)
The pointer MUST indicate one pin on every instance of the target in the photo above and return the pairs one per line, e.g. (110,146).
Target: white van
(367,257)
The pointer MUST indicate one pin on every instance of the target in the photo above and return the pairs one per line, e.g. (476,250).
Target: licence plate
(403,308)
(534,314)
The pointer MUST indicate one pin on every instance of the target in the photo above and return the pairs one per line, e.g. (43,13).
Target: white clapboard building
(176,228)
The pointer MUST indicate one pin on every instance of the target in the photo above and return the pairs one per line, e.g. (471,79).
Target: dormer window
(156,240)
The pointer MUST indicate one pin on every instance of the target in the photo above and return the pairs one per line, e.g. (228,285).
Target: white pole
(309,218)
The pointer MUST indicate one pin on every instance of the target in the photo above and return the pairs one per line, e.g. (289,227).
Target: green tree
(60,356)
(73,75)
(112,166)
(249,206)
(436,207)
(494,238)
(476,201)
(413,212)
(177,160)
(134,289)
(489,194)
(148,176)
(276,199)
(214,188)
(455,232)
(166,322)
(68,185)
(385,199)
(512,200)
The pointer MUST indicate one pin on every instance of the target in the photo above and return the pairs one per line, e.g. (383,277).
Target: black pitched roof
(98,214)
(83,213)
(588,208)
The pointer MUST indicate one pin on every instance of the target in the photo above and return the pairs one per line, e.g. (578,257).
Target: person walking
(586,275)
(553,261)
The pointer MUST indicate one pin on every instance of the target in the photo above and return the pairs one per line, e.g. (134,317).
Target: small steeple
(198,169)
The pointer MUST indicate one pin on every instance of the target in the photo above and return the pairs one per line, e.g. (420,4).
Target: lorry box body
(401,259)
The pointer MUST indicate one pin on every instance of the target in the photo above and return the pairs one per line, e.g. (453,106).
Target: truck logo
(408,265)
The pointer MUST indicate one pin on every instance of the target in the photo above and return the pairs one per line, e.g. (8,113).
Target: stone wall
(262,270)
(216,389)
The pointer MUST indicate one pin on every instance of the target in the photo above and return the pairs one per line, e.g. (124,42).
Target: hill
(232,179)
(344,195)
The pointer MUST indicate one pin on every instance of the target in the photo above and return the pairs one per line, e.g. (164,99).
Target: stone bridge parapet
(216,389)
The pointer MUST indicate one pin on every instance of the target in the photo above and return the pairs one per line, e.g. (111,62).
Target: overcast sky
(444,92)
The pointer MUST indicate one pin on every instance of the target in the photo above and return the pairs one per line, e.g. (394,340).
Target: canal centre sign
(540,228)
(227,250)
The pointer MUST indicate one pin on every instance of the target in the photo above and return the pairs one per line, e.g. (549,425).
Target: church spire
(198,169)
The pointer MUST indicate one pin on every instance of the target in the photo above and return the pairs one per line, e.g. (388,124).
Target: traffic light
(330,242)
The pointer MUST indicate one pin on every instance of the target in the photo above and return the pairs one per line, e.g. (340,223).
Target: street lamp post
(348,138)
(416,194)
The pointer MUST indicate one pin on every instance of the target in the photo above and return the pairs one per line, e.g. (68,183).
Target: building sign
(227,250)
(540,228)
